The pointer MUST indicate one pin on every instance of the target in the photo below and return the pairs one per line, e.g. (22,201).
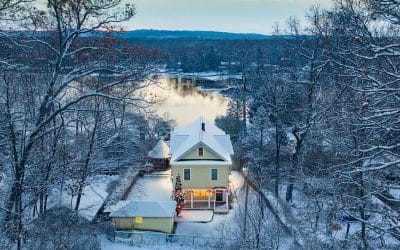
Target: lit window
(201,151)
(214,174)
(186,174)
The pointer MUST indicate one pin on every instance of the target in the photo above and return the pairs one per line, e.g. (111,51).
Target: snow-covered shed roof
(186,138)
(150,209)
(160,150)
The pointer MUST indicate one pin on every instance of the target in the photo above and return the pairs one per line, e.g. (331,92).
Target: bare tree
(68,60)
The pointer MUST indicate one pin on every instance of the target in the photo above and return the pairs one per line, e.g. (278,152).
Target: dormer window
(201,151)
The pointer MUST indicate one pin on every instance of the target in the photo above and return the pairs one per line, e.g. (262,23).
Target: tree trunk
(277,160)
(244,111)
(289,190)
(362,213)
(34,210)
(45,201)
(87,160)
(41,205)
(79,197)
(347,230)
(295,165)
(18,214)
(316,222)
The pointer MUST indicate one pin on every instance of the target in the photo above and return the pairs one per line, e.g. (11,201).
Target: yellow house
(201,155)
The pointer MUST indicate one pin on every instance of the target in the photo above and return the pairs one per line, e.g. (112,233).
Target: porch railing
(199,204)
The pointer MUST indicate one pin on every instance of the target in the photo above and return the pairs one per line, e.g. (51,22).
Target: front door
(218,195)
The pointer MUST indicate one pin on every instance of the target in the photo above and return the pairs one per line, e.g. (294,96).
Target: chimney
(203,126)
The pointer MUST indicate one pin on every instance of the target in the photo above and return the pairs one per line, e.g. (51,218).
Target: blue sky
(248,16)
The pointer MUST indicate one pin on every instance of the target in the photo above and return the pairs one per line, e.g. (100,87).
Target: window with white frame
(186,174)
(214,174)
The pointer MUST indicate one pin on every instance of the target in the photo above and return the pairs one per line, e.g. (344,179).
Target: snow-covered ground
(195,216)
(236,181)
(153,187)
(106,244)
(304,207)
(93,196)
(215,228)
(395,191)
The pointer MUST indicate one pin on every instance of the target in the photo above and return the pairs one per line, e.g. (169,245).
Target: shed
(145,215)
(159,156)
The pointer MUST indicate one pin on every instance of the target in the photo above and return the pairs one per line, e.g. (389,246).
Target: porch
(213,199)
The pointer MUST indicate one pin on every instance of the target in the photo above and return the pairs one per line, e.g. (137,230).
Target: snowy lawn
(106,244)
(195,216)
(215,228)
(395,191)
(152,187)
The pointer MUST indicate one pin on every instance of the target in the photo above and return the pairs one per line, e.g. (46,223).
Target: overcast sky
(248,16)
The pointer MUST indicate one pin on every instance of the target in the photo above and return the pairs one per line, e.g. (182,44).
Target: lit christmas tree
(178,183)
(179,197)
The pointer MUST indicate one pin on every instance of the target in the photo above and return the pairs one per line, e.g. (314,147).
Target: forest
(314,118)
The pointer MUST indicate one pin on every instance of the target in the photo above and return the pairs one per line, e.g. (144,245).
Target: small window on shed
(201,151)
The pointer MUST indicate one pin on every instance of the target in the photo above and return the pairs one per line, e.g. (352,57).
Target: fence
(134,237)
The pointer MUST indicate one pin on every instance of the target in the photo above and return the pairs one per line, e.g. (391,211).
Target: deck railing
(198,204)
(214,205)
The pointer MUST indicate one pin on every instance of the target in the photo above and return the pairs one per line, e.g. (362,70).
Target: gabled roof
(187,138)
(150,209)
(160,150)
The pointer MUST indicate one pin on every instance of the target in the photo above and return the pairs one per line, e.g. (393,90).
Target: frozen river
(183,100)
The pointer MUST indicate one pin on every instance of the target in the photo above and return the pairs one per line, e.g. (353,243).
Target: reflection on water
(183,101)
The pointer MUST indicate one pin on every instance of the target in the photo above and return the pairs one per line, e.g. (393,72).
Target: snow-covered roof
(152,209)
(115,207)
(201,163)
(160,150)
(185,139)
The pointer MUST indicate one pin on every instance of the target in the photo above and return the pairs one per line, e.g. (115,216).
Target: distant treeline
(163,34)
(190,51)
(194,54)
